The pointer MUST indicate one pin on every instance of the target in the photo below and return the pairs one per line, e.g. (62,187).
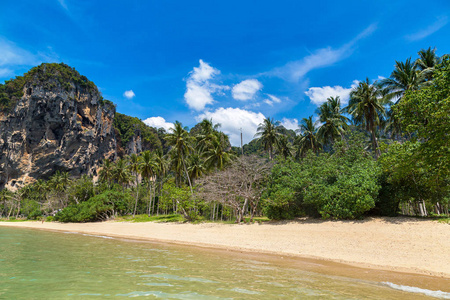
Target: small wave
(100,236)
(413,289)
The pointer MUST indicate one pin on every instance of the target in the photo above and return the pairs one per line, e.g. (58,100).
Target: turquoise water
(52,265)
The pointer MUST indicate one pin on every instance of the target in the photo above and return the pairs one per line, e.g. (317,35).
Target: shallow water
(52,265)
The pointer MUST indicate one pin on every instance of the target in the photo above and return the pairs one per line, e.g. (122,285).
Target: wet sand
(412,246)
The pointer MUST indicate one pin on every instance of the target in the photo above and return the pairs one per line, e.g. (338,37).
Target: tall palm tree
(121,172)
(334,123)
(307,138)
(284,147)
(197,166)
(180,140)
(367,106)
(107,172)
(268,132)
(41,188)
(208,131)
(148,169)
(404,77)
(427,61)
(135,163)
(215,155)
(59,183)
(162,166)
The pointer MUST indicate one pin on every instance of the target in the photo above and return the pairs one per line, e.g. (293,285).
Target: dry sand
(394,244)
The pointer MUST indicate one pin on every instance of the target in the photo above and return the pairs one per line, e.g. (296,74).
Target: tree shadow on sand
(391,220)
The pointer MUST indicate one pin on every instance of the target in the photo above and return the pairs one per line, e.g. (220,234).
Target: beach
(391,244)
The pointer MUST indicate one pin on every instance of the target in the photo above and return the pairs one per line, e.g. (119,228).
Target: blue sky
(232,61)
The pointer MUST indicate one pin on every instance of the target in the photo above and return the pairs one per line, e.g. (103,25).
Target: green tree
(334,123)
(215,155)
(269,133)
(135,168)
(284,147)
(180,140)
(341,185)
(405,77)
(196,166)
(148,169)
(307,138)
(121,172)
(425,115)
(107,172)
(427,62)
(367,107)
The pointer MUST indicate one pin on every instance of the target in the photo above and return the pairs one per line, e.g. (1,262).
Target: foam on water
(413,289)
(100,236)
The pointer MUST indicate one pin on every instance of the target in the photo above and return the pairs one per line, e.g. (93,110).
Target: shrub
(342,185)
(97,208)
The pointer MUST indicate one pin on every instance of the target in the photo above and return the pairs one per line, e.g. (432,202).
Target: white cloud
(295,70)
(232,120)
(199,89)
(129,94)
(290,123)
(158,122)
(246,90)
(272,99)
(5,72)
(438,24)
(13,56)
(319,95)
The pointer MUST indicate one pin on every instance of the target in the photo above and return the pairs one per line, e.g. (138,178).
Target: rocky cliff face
(60,123)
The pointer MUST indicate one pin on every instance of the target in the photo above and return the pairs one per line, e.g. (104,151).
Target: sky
(235,62)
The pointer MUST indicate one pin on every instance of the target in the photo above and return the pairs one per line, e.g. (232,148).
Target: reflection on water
(48,265)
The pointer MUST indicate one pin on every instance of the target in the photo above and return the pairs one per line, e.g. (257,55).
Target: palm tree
(148,168)
(268,132)
(162,166)
(135,170)
(197,166)
(334,123)
(59,181)
(208,132)
(215,155)
(427,61)
(180,140)
(41,188)
(405,77)
(367,106)
(107,172)
(121,172)
(307,139)
(284,147)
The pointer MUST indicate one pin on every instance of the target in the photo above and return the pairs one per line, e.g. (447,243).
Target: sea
(36,264)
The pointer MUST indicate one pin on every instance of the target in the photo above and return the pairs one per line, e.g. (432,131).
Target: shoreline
(398,250)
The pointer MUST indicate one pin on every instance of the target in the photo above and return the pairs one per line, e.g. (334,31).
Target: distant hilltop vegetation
(54,119)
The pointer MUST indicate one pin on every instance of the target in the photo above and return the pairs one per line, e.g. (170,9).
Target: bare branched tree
(237,186)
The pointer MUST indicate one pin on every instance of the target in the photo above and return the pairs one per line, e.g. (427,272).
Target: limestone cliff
(52,118)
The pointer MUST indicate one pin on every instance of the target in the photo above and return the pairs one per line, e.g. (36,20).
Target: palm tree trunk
(187,175)
(149,196)
(137,196)
(374,139)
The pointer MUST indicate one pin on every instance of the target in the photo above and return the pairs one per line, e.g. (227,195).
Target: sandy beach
(392,244)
